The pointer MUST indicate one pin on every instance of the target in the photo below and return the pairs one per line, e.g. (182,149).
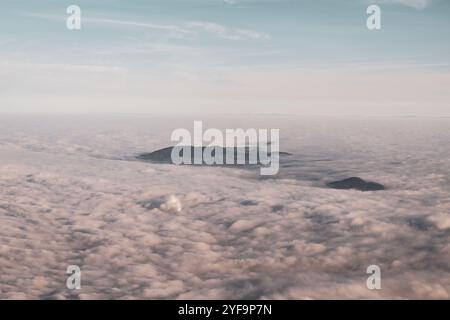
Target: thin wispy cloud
(190,28)
(228,33)
(417,4)
(230,1)
(17,66)
(113,22)
(169,28)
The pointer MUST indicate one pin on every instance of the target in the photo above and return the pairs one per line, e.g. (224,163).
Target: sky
(226,56)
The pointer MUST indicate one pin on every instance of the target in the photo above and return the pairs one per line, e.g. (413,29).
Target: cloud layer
(72,196)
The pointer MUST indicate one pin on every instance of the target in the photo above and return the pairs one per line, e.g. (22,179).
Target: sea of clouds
(72,193)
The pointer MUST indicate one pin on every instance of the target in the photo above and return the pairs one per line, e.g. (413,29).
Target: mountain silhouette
(165,155)
(357,184)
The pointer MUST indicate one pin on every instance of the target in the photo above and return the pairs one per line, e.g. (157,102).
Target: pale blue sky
(178,56)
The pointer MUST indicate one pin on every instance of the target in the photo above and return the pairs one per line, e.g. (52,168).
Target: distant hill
(165,155)
(357,184)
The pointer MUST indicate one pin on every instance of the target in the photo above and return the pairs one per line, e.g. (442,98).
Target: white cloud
(417,4)
(228,33)
(65,200)
(17,66)
(174,30)
(169,28)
